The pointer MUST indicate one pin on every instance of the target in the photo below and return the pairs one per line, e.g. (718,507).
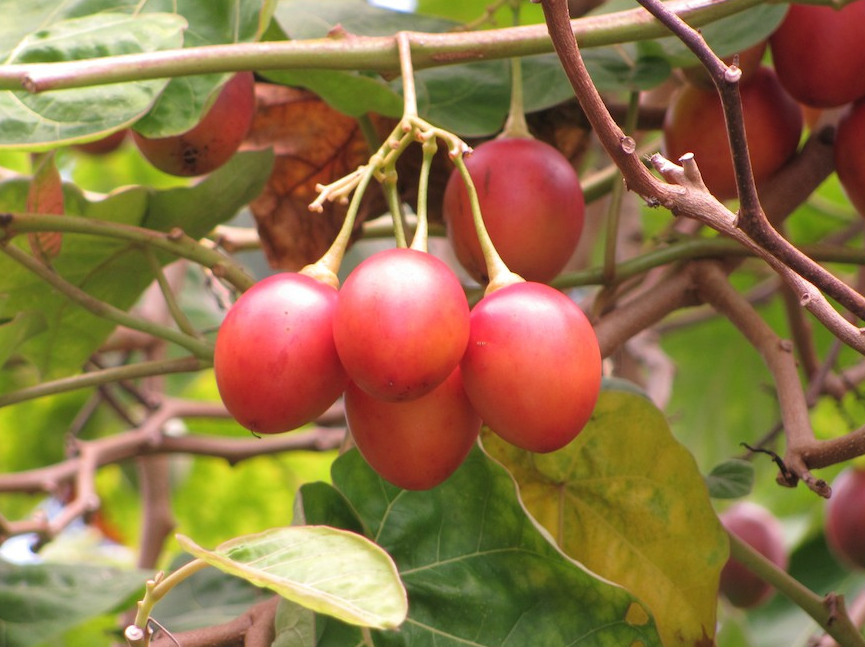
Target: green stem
(614,207)
(497,271)
(375,53)
(104,376)
(420,241)
(201,349)
(175,242)
(157,588)
(173,306)
(391,193)
(516,125)
(837,625)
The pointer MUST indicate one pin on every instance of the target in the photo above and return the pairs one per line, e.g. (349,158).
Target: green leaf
(731,479)
(330,571)
(621,498)
(43,120)
(18,329)
(109,269)
(39,601)
(478,569)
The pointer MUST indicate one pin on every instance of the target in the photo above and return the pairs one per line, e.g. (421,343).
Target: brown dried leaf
(314,144)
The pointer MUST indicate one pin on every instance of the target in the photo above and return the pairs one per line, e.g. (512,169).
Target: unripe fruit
(213,141)
(850,154)
(275,362)
(401,323)
(531,202)
(532,368)
(757,527)
(818,55)
(416,444)
(695,123)
(845,517)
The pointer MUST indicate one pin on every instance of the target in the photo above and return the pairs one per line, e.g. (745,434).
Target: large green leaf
(67,30)
(626,499)
(477,568)
(38,601)
(40,120)
(113,270)
(325,569)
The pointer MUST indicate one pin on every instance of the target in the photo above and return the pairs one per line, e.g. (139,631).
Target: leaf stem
(157,588)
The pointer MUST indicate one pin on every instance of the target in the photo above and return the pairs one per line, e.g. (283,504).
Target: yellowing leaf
(627,501)
(324,569)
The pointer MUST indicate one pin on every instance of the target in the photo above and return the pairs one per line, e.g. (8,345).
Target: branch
(253,628)
(339,51)
(690,198)
(828,612)
(175,242)
(716,290)
(147,439)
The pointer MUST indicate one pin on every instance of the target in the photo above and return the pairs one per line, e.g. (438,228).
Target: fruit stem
(421,234)
(831,617)
(516,125)
(615,204)
(326,268)
(391,194)
(500,275)
(409,93)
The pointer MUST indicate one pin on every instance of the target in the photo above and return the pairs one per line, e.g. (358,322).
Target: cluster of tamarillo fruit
(419,368)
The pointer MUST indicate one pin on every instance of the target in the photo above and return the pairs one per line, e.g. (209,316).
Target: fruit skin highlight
(757,527)
(694,123)
(532,368)
(818,54)
(213,141)
(532,205)
(275,362)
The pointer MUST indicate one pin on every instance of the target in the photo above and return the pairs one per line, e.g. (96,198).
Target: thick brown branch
(715,289)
